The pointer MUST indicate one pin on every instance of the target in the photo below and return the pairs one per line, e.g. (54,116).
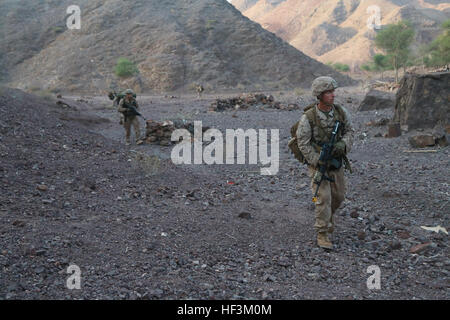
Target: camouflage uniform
(129,119)
(199,89)
(309,137)
(116,102)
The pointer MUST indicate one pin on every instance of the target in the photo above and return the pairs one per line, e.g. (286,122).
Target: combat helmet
(129,91)
(322,84)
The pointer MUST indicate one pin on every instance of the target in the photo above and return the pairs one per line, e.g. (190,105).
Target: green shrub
(439,49)
(125,68)
(240,86)
(58,29)
(341,67)
(210,24)
(370,66)
(150,165)
(300,91)
(44,94)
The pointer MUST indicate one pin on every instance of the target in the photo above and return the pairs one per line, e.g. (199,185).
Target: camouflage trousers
(131,121)
(329,198)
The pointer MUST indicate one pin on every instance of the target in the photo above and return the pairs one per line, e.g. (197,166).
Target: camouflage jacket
(122,105)
(306,135)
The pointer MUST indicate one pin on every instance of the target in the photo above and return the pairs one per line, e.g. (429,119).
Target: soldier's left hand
(317,177)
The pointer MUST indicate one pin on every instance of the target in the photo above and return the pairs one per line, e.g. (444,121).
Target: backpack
(311,114)
(116,97)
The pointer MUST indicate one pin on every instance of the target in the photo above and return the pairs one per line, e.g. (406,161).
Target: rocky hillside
(173,43)
(336,31)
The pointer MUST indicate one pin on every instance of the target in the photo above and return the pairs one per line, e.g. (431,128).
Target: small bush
(125,68)
(341,67)
(338,66)
(44,94)
(299,91)
(210,24)
(58,29)
(149,164)
(367,67)
(240,86)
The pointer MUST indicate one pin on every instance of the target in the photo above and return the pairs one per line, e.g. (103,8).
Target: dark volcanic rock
(394,130)
(422,141)
(423,100)
(376,100)
(420,247)
(245,215)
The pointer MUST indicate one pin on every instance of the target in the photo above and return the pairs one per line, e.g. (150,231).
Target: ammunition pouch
(334,164)
(128,114)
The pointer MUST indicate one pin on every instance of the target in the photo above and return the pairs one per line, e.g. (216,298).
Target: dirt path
(145,228)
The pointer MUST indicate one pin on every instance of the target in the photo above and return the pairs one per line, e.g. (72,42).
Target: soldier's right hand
(320,163)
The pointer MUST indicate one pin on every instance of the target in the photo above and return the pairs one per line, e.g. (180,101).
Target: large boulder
(376,100)
(423,100)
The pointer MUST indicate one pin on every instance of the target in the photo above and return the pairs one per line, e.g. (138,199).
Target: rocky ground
(140,227)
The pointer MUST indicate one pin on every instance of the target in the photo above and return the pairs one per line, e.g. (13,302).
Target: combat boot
(331,224)
(331,228)
(323,241)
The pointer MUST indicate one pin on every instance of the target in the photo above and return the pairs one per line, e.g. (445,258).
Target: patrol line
(213,153)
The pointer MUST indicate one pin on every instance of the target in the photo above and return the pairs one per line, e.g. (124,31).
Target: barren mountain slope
(173,43)
(337,31)
(28,27)
(360,48)
(243,4)
(261,8)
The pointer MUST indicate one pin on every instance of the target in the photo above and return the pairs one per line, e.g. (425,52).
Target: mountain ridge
(174,44)
(336,31)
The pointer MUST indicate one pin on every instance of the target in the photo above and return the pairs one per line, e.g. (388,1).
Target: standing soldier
(115,97)
(200,89)
(129,117)
(314,130)
(116,102)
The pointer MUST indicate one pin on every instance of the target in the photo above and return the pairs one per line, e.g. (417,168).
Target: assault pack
(314,121)
(116,97)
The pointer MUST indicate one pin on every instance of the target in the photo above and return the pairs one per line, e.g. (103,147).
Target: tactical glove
(317,177)
(339,149)
(317,162)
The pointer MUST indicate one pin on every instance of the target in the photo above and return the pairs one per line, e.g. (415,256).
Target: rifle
(325,156)
(133,111)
